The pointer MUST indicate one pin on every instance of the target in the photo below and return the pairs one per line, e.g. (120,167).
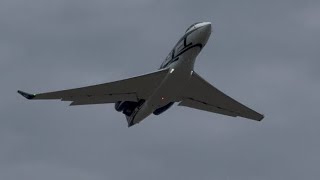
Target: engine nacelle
(162,109)
(120,105)
(127,107)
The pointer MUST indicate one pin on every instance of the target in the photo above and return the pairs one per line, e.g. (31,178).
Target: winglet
(262,116)
(26,95)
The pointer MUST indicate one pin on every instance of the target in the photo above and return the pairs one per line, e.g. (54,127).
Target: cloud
(264,54)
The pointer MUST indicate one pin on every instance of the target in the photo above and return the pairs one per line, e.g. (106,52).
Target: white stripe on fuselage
(181,62)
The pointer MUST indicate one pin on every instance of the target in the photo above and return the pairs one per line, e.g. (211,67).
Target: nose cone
(207,27)
(205,32)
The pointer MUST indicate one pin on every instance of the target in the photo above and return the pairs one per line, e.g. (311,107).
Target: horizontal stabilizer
(26,95)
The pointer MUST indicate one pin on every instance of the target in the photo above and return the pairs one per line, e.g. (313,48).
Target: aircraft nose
(207,27)
(205,32)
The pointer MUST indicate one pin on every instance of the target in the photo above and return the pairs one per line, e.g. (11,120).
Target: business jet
(153,93)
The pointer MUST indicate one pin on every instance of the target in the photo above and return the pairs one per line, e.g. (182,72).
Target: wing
(131,89)
(201,95)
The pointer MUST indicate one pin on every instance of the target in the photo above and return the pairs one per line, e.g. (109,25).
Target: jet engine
(127,107)
(120,105)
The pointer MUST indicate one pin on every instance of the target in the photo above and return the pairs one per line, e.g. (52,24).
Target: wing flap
(104,99)
(110,97)
(206,107)
(200,94)
(131,89)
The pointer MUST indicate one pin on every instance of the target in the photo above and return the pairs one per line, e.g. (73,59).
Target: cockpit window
(192,26)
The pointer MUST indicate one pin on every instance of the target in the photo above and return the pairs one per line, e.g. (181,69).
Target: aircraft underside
(154,93)
(129,108)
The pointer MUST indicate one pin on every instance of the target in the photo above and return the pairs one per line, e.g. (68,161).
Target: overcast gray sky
(263,53)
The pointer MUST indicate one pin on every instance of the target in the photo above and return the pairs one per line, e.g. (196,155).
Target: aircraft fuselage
(180,63)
